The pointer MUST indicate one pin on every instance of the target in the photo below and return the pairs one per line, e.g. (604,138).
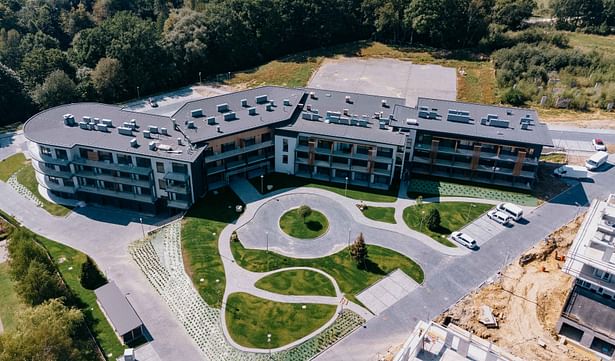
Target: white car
(464,240)
(598,144)
(499,216)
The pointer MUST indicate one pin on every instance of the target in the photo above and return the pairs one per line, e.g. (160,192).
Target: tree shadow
(371,267)
(314,226)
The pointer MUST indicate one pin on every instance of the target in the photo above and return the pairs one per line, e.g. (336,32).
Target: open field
(200,230)
(250,319)
(454,216)
(297,283)
(11,165)
(313,226)
(350,278)
(280,181)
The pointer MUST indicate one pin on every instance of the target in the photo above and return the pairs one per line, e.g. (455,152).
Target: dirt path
(527,301)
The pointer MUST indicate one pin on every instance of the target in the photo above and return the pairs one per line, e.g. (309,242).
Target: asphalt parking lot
(484,229)
(387,77)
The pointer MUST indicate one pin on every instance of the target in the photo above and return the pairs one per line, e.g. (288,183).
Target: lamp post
(142,229)
(421,225)
(269,345)
(138,94)
(200,80)
(472,205)
(267,246)
(262,181)
(346,187)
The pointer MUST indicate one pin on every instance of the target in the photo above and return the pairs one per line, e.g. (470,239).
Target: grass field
(11,165)
(340,266)
(454,216)
(280,180)
(26,176)
(291,72)
(382,214)
(69,261)
(10,303)
(313,226)
(250,319)
(200,230)
(559,158)
(297,283)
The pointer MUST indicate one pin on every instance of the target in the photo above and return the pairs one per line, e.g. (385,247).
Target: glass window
(128,188)
(284,145)
(362,149)
(162,184)
(124,159)
(180,168)
(303,141)
(144,162)
(54,180)
(284,159)
(64,168)
(146,191)
(344,148)
(209,151)
(227,147)
(266,137)
(385,152)
(61,154)
(159,167)
(249,141)
(46,151)
(105,157)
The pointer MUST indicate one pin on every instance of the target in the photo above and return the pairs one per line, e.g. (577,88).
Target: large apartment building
(588,316)
(104,154)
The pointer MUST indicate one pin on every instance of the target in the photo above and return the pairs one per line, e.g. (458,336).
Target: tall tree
(186,37)
(304,211)
(512,13)
(76,19)
(91,277)
(432,220)
(109,79)
(58,88)
(15,104)
(39,63)
(39,284)
(358,251)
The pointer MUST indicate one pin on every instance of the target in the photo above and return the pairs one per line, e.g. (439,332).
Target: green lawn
(559,158)
(68,261)
(297,283)
(427,188)
(200,230)
(10,303)
(454,216)
(250,319)
(280,181)
(314,225)
(11,165)
(26,176)
(382,214)
(293,71)
(340,266)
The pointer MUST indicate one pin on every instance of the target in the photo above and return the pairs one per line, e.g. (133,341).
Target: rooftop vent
(153,129)
(152,145)
(94,120)
(426,113)
(134,143)
(179,141)
(269,107)
(69,120)
(129,125)
(391,116)
(107,122)
(164,131)
(411,121)
(102,128)
(84,125)
(244,103)
(459,116)
(313,95)
(211,120)
(147,134)
(493,120)
(383,125)
(509,112)
(346,111)
(252,111)
(348,99)
(308,107)
(222,108)
(230,116)
(191,124)
(286,102)
(125,131)
(196,113)
(218,129)
(86,119)
(385,104)
(134,123)
(261,99)
(310,116)
(272,103)
(165,147)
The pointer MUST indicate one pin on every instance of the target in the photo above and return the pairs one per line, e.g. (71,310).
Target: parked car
(571,171)
(153,103)
(464,240)
(596,160)
(512,210)
(499,216)
(598,144)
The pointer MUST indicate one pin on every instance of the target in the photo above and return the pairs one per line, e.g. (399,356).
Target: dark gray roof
(47,127)
(592,310)
(360,106)
(121,314)
(243,121)
(537,133)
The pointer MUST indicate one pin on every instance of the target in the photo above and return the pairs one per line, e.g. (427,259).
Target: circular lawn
(313,226)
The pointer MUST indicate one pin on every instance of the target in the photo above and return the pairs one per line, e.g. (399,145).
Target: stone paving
(386,292)
(21,189)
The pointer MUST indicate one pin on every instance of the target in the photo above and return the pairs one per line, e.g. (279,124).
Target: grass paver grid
(249,319)
(381,214)
(340,266)
(313,226)
(454,215)
(297,283)
(427,188)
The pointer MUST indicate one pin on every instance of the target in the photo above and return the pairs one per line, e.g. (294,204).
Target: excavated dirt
(527,299)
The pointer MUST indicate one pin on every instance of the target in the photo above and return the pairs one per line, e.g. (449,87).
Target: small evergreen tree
(433,219)
(305,211)
(91,277)
(358,250)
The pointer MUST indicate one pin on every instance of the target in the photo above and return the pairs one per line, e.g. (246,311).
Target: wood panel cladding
(434,151)
(475,157)
(519,163)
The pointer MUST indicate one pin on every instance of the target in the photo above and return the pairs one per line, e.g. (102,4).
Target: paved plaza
(386,292)
(387,77)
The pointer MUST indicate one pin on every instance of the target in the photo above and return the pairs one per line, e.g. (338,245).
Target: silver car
(464,240)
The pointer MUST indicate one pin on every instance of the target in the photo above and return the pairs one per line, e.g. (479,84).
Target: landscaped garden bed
(297,283)
(313,224)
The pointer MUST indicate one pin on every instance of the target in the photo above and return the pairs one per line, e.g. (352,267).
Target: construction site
(518,309)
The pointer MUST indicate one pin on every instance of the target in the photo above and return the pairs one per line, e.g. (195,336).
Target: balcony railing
(110,178)
(178,204)
(469,153)
(128,168)
(52,172)
(177,189)
(117,194)
(237,151)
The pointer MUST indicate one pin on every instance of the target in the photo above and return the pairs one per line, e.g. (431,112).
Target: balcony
(53,186)
(235,164)
(36,155)
(174,176)
(322,163)
(237,151)
(110,178)
(336,165)
(319,150)
(178,204)
(258,158)
(470,152)
(128,168)
(178,189)
(117,194)
(302,148)
(51,172)
(384,172)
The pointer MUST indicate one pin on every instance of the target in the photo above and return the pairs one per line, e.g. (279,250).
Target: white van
(596,160)
(499,216)
(464,239)
(515,211)
(571,171)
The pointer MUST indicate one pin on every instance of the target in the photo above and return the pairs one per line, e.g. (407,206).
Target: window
(54,180)
(180,168)
(285,145)
(143,162)
(385,152)
(303,141)
(46,151)
(142,177)
(602,275)
(344,148)
(249,141)
(64,168)
(159,167)
(145,191)
(362,149)
(124,159)
(284,159)
(227,147)
(209,151)
(61,154)
(162,184)
(105,157)
(265,137)
(128,188)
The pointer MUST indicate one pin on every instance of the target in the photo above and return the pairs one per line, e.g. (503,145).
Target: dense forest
(58,51)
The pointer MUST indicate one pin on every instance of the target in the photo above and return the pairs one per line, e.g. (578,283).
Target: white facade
(285,154)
